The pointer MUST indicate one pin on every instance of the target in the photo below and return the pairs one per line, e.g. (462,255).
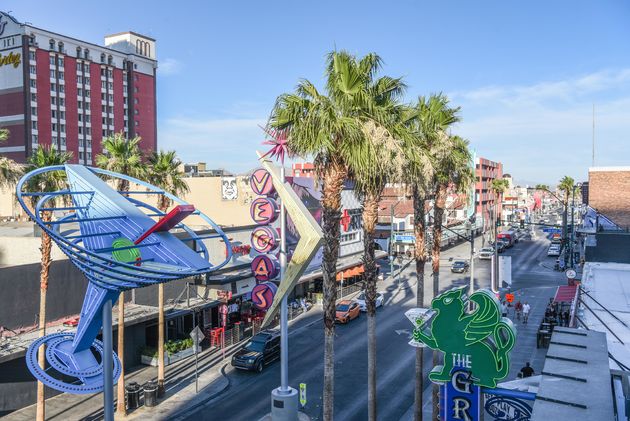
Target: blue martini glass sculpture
(119,242)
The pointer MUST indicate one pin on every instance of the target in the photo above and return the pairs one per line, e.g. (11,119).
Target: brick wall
(609,193)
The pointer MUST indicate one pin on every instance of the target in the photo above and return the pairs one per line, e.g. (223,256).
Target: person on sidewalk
(504,309)
(527,370)
(526,309)
(518,308)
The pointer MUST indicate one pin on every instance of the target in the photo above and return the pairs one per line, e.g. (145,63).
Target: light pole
(571,258)
(471,232)
(391,238)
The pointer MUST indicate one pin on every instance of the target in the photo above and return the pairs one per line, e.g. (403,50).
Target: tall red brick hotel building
(55,89)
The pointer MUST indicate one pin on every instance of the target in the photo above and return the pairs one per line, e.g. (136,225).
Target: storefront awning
(350,272)
(565,293)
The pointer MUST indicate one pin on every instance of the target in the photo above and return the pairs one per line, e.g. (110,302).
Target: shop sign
(261,182)
(404,239)
(478,341)
(264,210)
(461,398)
(224,295)
(11,59)
(262,295)
(504,408)
(265,239)
(265,267)
(351,220)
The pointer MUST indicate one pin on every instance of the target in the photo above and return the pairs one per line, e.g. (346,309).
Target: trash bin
(150,393)
(133,395)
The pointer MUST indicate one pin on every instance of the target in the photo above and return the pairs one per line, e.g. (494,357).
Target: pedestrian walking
(527,370)
(526,308)
(518,308)
(565,318)
(503,309)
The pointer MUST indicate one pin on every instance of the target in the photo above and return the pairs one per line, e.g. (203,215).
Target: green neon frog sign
(479,340)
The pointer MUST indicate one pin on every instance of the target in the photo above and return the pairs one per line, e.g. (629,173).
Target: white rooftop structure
(607,287)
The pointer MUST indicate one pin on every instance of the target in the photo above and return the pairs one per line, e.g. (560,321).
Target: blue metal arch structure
(98,215)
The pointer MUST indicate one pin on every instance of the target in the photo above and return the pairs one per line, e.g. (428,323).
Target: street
(248,397)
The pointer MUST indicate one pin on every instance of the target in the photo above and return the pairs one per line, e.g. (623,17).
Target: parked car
(459,266)
(553,250)
(500,246)
(486,253)
(360,300)
(346,311)
(258,352)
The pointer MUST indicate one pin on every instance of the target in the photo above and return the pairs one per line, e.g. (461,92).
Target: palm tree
(498,187)
(10,171)
(121,156)
(46,182)
(565,186)
(164,172)
(331,127)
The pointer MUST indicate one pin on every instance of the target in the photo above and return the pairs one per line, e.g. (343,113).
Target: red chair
(216,335)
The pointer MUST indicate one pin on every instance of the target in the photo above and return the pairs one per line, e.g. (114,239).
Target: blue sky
(525,73)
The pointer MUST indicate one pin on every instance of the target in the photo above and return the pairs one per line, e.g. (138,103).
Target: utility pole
(593,156)
(391,241)
(472,255)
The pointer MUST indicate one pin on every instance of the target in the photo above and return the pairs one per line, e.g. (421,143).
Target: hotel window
(61,75)
(110,86)
(52,74)
(87,93)
(103,84)
(51,44)
(89,156)
(103,97)
(102,71)
(110,60)
(63,128)
(110,98)
(86,80)
(62,102)
(33,97)
(104,133)
(104,120)
(110,74)
(33,84)
(86,68)
(102,58)
(63,141)
(79,66)
(35,139)
(53,113)
(80,121)
(104,108)
(78,54)
(60,61)
(60,46)
(79,92)
(52,60)
(31,55)
(62,115)
(88,131)
(79,79)
(53,87)
(53,100)
(33,70)
(54,127)
(62,89)
(34,125)
(33,111)
(81,156)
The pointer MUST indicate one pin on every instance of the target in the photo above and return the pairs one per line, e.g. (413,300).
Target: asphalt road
(248,397)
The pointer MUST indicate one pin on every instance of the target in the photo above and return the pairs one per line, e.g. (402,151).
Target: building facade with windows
(485,202)
(57,90)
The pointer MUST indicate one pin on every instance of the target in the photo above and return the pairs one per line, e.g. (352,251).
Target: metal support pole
(391,241)
(284,317)
(572,229)
(472,260)
(108,363)
(495,265)
(196,345)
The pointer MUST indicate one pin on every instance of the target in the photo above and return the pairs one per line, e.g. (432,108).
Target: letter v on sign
(311,237)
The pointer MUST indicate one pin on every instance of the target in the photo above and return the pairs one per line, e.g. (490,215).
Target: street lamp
(571,257)
(391,237)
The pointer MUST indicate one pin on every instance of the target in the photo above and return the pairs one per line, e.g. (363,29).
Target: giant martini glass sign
(120,242)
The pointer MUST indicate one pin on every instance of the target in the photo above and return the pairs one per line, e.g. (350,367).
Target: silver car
(380,300)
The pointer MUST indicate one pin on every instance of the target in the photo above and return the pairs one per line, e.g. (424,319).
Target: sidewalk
(179,381)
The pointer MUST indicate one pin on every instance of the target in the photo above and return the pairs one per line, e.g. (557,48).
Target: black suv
(261,350)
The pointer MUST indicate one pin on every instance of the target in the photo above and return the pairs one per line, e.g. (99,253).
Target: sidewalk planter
(173,351)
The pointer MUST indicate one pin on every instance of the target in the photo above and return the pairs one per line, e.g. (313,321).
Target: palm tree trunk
(43,289)
(438,216)
(419,226)
(333,178)
(121,407)
(370,216)
(161,340)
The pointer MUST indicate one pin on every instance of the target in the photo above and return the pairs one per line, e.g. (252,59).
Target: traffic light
(522,223)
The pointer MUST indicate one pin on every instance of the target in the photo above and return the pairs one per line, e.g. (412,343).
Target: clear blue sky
(525,73)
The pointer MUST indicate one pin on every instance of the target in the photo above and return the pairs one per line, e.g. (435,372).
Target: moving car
(486,253)
(500,246)
(258,352)
(508,236)
(360,300)
(346,311)
(459,266)
(554,250)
